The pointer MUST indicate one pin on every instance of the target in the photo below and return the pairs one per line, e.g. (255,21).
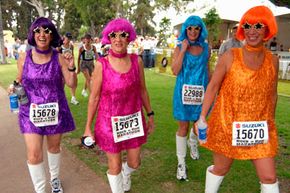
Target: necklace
(254,49)
(43,51)
(117,55)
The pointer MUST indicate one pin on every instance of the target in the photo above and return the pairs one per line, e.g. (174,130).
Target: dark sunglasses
(121,35)
(196,28)
(38,30)
(256,26)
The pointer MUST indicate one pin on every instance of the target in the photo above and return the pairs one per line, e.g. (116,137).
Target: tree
(38,5)
(163,36)
(285,3)
(2,48)
(95,13)
(72,19)
(212,21)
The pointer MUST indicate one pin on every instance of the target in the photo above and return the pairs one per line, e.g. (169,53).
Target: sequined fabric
(194,71)
(120,95)
(245,95)
(44,83)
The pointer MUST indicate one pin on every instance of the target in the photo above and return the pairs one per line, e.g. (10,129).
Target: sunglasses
(257,26)
(38,30)
(196,28)
(122,35)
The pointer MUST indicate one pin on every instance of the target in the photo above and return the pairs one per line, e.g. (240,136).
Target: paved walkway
(14,177)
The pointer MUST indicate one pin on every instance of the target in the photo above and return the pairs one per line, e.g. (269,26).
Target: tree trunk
(38,6)
(2,48)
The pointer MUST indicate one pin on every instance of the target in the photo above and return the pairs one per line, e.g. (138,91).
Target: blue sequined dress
(194,71)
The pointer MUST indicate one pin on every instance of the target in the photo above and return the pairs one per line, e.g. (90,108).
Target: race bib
(44,114)
(192,94)
(89,55)
(127,127)
(250,133)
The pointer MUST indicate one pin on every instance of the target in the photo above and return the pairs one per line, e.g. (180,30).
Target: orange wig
(261,14)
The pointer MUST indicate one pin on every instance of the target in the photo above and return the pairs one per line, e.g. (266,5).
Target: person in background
(118,95)
(190,65)
(87,55)
(15,46)
(273,45)
(242,122)
(42,72)
(68,47)
(232,42)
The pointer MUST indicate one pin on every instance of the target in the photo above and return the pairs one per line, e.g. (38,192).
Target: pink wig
(260,14)
(116,25)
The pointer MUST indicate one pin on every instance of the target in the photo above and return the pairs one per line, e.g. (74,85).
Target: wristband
(71,69)
(150,114)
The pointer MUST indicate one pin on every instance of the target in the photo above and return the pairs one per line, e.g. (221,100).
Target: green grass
(158,169)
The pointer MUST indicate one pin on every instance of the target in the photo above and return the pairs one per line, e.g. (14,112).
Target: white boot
(212,182)
(38,178)
(126,172)
(193,145)
(270,188)
(54,164)
(181,154)
(116,183)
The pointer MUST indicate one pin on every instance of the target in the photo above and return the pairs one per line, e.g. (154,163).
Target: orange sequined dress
(245,95)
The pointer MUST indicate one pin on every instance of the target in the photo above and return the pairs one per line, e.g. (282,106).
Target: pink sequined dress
(120,95)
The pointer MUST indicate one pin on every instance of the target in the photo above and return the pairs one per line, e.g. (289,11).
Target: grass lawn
(157,173)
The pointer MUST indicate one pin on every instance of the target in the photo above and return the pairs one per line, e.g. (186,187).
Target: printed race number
(127,127)
(44,114)
(192,94)
(250,133)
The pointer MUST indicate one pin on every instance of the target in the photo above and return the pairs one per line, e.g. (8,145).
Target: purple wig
(116,25)
(44,23)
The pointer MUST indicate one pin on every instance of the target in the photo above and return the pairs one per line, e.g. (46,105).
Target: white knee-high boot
(181,149)
(270,188)
(212,182)
(126,172)
(53,164)
(116,182)
(38,178)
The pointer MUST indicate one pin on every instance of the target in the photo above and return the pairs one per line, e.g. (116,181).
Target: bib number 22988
(192,94)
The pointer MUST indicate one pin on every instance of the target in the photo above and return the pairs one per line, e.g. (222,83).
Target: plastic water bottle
(19,90)
(13,98)
(202,128)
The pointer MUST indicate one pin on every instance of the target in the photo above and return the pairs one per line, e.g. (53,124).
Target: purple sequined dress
(120,95)
(44,83)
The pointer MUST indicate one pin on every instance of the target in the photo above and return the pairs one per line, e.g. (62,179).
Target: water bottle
(13,98)
(19,90)
(88,142)
(202,128)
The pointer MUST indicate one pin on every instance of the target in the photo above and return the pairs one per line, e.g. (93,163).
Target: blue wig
(193,21)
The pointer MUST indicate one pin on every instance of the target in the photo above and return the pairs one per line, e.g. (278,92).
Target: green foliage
(72,20)
(212,21)
(163,36)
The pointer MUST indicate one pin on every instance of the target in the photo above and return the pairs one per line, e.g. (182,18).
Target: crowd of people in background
(241,91)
